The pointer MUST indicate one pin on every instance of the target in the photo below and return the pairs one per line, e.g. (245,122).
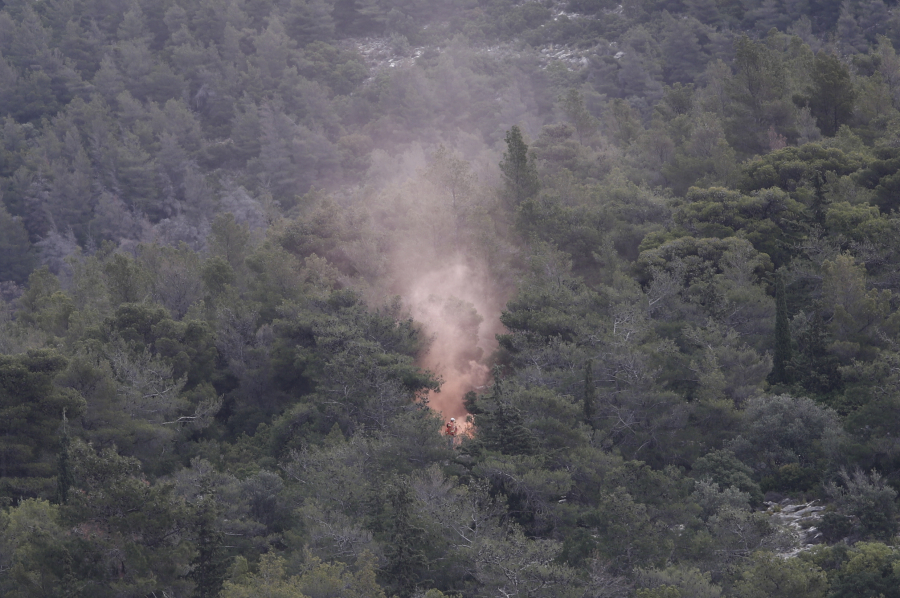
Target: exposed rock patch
(801,520)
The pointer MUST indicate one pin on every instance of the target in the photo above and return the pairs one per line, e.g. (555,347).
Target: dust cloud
(460,310)
(444,248)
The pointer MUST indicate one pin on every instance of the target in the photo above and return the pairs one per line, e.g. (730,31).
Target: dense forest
(253,253)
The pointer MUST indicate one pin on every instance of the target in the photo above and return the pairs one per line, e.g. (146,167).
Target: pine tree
(782,357)
(16,255)
(502,427)
(832,94)
(519,173)
(405,558)
(72,584)
(64,478)
(210,565)
(590,394)
(512,435)
(573,106)
(28,401)
(816,368)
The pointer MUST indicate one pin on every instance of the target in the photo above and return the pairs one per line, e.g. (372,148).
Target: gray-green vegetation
(209,388)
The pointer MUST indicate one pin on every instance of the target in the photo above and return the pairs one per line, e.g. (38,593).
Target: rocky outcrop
(801,520)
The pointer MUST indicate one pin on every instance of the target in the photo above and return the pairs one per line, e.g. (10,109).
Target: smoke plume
(444,244)
(460,311)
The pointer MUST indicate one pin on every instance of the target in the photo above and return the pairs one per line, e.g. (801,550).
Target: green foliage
(37,560)
(627,527)
(519,173)
(723,468)
(813,366)
(186,346)
(831,96)
(126,280)
(209,566)
(133,545)
(857,313)
(868,502)
(405,557)
(590,394)
(269,581)
(64,479)
(212,378)
(551,302)
(340,347)
(770,575)
(780,431)
(701,278)
(16,256)
(677,580)
(867,569)
(573,106)
(501,425)
(32,409)
(769,219)
(783,349)
(759,89)
(229,240)
(44,305)
(659,592)
(880,175)
(792,168)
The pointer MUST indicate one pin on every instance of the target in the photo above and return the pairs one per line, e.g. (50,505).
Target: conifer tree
(64,478)
(782,357)
(512,436)
(832,94)
(209,566)
(28,401)
(16,255)
(405,558)
(519,173)
(816,368)
(590,394)
(573,106)
(501,426)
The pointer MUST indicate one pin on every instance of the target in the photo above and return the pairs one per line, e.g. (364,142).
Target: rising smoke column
(460,311)
(440,230)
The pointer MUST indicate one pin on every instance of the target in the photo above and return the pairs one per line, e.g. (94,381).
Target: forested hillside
(253,253)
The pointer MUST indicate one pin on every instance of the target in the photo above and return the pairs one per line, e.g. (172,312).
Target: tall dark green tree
(590,394)
(759,90)
(405,557)
(30,407)
(210,564)
(64,478)
(501,426)
(831,95)
(780,373)
(815,367)
(573,107)
(519,172)
(16,256)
